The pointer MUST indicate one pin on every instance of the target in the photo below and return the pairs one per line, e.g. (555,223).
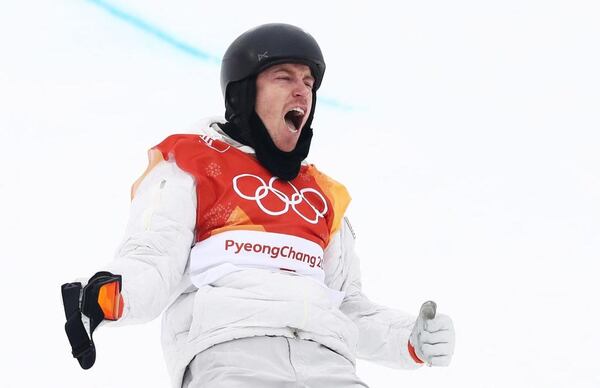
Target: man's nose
(300,88)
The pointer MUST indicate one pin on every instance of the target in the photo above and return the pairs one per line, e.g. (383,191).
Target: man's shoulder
(319,175)
(202,134)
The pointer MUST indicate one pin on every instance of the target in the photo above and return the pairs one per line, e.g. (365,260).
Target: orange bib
(247,218)
(235,192)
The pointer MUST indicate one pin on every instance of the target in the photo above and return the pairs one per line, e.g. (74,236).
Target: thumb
(426,313)
(428,310)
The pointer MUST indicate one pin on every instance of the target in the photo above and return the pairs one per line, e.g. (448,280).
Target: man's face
(283,102)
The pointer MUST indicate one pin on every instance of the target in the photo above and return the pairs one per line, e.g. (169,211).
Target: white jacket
(153,259)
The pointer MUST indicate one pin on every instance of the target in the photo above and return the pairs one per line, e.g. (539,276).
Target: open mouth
(293,119)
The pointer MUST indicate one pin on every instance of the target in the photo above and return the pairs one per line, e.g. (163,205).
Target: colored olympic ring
(297,198)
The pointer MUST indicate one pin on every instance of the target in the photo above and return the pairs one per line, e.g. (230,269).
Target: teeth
(297,109)
(291,126)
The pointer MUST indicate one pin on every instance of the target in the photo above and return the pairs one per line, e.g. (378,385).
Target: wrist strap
(82,346)
(413,354)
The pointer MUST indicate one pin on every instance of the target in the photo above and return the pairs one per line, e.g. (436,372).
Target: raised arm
(383,332)
(154,252)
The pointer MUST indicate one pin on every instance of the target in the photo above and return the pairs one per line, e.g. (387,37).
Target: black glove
(100,299)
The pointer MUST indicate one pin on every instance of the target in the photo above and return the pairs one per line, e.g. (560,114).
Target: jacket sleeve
(383,332)
(153,255)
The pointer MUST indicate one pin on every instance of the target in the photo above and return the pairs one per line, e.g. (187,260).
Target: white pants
(270,362)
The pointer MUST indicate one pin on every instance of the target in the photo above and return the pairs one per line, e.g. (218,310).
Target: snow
(466,132)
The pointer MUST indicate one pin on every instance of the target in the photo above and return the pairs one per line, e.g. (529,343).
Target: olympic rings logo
(297,198)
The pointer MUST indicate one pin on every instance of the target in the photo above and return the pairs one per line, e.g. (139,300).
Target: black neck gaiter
(244,126)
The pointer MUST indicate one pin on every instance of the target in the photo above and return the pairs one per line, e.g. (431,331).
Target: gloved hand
(432,338)
(87,306)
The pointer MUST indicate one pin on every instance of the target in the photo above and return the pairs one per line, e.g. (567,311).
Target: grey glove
(432,338)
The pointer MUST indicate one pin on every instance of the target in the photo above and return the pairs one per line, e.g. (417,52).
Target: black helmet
(267,45)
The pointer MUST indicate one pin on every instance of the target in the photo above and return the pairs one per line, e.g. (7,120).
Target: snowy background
(466,131)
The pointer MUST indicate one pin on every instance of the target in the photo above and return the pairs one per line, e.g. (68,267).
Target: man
(247,246)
